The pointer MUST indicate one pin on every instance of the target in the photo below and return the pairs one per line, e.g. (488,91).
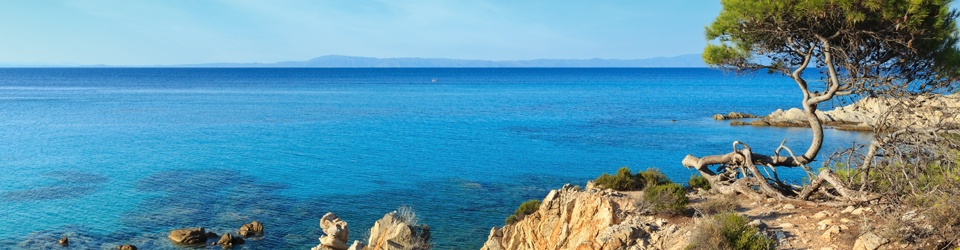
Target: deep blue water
(116,156)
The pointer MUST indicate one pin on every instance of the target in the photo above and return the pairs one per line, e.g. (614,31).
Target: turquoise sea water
(118,156)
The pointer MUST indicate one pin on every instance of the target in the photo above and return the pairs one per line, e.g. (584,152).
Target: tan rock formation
(569,218)
(228,240)
(251,229)
(188,236)
(336,233)
(937,110)
(398,231)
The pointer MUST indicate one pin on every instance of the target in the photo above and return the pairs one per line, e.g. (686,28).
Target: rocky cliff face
(569,218)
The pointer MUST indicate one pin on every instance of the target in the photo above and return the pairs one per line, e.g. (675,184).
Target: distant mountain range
(335,61)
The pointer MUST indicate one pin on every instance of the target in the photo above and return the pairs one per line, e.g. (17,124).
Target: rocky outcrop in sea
(868,113)
(396,230)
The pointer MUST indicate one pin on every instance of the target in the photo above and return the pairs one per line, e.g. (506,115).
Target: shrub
(728,231)
(652,177)
(722,204)
(525,209)
(625,180)
(622,181)
(666,199)
(698,181)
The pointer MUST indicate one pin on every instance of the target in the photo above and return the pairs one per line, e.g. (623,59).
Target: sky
(124,32)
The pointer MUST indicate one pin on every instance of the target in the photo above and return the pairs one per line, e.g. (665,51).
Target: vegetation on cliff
(525,209)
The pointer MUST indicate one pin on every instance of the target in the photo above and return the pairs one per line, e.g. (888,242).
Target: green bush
(622,181)
(625,180)
(698,181)
(666,199)
(525,209)
(728,231)
(652,177)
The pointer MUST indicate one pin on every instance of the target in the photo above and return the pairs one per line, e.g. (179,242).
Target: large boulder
(251,229)
(188,236)
(335,233)
(394,231)
(869,241)
(228,240)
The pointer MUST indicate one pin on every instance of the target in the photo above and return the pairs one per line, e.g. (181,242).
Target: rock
(786,225)
(64,241)
(212,235)
(575,219)
(733,115)
(229,240)
(393,232)
(660,222)
(251,229)
(821,215)
(188,236)
(789,207)
(127,247)
(869,241)
(357,245)
(591,185)
(831,232)
(759,224)
(844,220)
(825,222)
(336,233)
(860,211)
(847,210)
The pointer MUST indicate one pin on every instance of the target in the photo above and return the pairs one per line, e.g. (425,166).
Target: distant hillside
(335,61)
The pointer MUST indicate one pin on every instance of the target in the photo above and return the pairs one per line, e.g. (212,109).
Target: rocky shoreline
(592,218)
(864,115)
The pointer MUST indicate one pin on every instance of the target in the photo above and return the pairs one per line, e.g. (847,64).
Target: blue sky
(123,32)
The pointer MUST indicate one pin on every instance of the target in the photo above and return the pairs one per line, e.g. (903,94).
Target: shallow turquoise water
(112,156)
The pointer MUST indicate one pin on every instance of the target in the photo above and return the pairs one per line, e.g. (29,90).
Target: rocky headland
(866,114)
(591,218)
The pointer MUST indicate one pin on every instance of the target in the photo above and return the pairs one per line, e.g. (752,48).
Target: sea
(111,156)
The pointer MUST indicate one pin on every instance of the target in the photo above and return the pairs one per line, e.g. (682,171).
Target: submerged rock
(188,236)
(251,229)
(64,241)
(733,116)
(127,247)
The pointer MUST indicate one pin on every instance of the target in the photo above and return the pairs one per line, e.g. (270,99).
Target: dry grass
(720,204)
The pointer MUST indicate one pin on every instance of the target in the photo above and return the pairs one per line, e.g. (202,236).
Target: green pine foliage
(526,208)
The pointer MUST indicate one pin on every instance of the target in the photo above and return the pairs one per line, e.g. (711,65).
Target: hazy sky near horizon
(122,32)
